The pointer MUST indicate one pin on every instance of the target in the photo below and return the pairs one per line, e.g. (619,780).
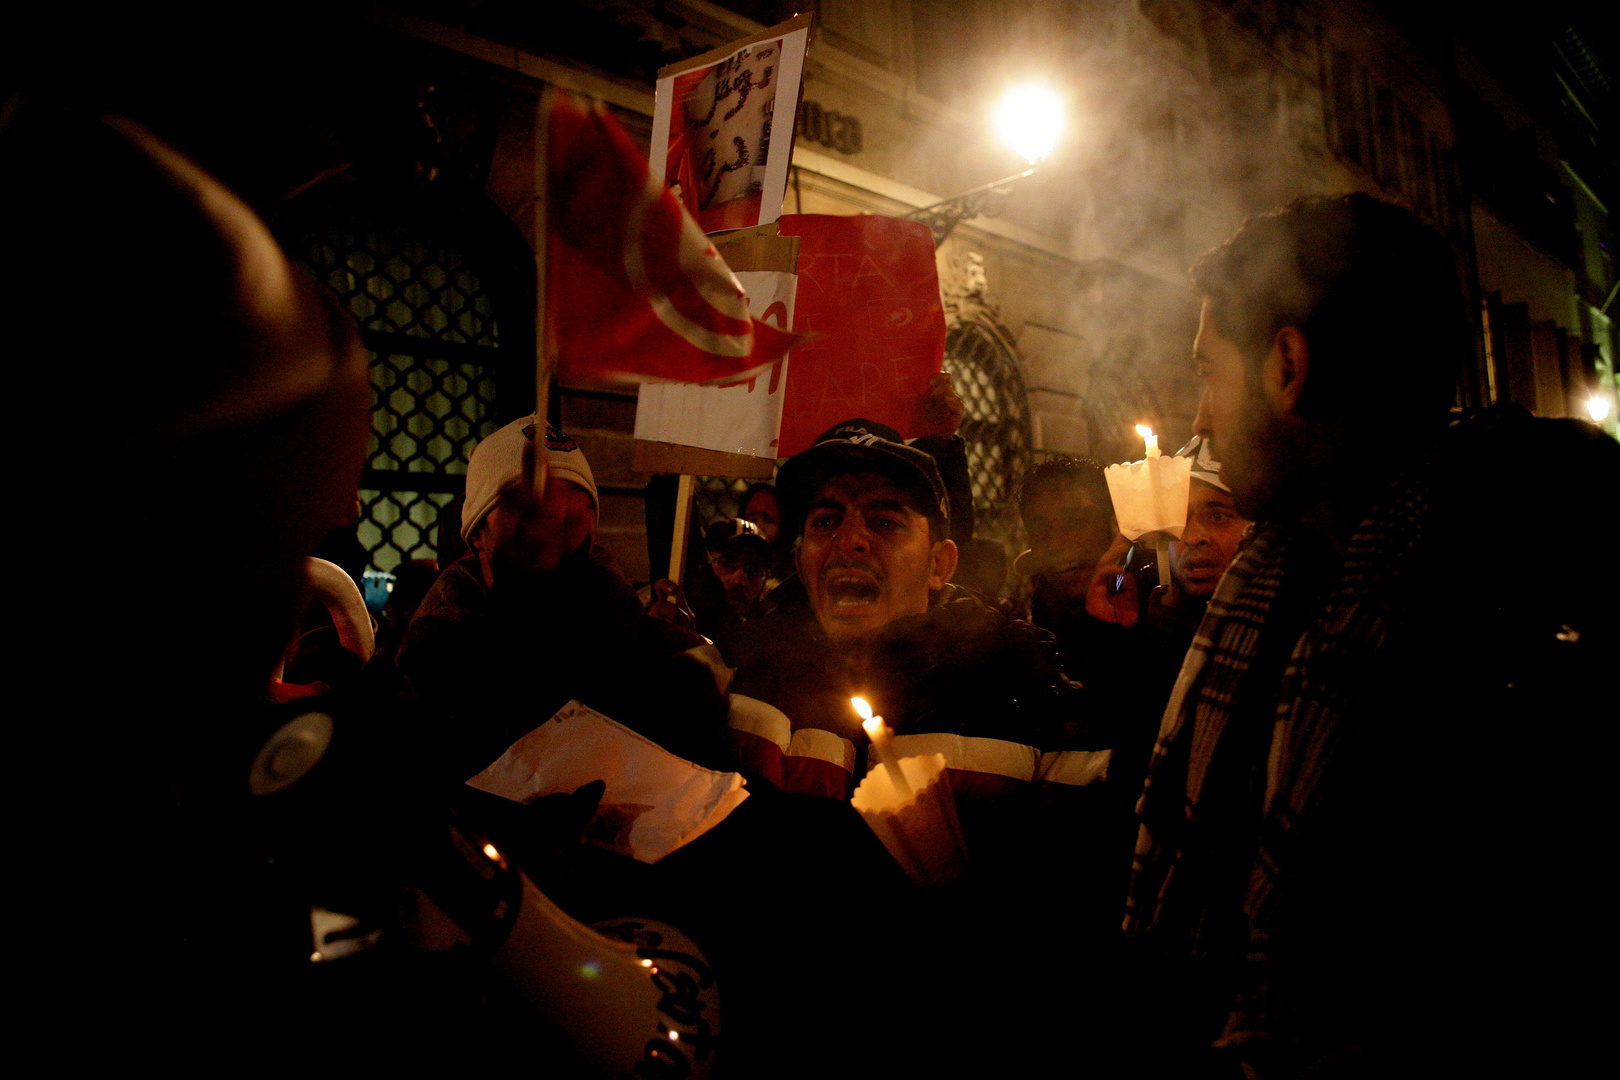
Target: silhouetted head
(1339,314)
(208,423)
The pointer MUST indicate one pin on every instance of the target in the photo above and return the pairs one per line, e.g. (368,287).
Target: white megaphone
(333,587)
(631,998)
(330,584)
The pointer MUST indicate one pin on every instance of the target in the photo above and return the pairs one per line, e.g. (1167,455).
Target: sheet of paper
(654,803)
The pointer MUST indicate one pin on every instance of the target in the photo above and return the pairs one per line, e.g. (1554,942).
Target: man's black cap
(737,536)
(862,446)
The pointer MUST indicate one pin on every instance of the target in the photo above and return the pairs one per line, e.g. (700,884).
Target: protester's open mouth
(848,591)
(1201,570)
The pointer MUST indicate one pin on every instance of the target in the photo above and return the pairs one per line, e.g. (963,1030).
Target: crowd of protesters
(1327,804)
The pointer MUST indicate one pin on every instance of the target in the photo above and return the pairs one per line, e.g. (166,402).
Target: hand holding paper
(654,802)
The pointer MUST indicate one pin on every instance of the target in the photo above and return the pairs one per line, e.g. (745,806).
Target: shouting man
(883,622)
(952,676)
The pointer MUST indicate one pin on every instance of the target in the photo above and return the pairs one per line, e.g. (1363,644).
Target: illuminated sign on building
(833,129)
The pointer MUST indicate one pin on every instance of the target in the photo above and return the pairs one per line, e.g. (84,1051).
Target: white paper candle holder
(1150,495)
(921,832)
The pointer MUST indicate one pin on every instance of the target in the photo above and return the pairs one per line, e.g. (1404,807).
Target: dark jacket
(1026,770)
(985,690)
(962,667)
(1127,674)
(1371,832)
(484,666)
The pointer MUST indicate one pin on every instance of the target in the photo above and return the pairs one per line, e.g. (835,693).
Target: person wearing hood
(534,614)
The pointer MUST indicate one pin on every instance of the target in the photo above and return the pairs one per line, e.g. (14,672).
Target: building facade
(400,168)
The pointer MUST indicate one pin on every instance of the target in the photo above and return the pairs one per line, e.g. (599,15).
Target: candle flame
(861,707)
(490,850)
(873,726)
(1143,430)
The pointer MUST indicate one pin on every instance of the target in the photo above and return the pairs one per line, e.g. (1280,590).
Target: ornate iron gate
(984,370)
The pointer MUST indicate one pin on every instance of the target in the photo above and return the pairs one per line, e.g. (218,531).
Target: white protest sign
(737,418)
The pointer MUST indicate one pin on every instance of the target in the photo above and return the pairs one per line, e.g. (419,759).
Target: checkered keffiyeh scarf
(1245,754)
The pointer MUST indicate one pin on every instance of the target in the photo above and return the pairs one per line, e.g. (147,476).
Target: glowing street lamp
(1028,118)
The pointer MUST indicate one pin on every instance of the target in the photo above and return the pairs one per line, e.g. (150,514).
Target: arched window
(425,277)
(984,370)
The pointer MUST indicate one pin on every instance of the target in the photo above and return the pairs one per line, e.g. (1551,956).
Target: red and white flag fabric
(635,289)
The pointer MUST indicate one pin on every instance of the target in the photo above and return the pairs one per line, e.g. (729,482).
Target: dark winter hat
(737,537)
(861,446)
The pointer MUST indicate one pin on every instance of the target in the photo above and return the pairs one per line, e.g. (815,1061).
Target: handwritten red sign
(869,293)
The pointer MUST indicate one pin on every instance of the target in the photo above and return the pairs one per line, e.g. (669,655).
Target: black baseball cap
(862,446)
(737,536)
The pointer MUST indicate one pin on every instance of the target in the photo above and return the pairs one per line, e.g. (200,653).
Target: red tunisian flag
(635,290)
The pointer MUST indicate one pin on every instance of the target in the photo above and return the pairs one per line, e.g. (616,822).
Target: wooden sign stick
(544,340)
(684,493)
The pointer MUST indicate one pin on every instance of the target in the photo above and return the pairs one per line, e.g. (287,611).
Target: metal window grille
(429,323)
(984,371)
(717,497)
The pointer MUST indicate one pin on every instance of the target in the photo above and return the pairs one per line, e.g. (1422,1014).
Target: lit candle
(1151,439)
(882,749)
(1161,541)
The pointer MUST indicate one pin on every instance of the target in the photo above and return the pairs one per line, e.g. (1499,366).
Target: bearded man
(1356,823)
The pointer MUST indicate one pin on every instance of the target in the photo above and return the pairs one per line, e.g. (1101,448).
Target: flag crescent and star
(636,290)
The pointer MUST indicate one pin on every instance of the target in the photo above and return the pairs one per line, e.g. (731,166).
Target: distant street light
(1028,118)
